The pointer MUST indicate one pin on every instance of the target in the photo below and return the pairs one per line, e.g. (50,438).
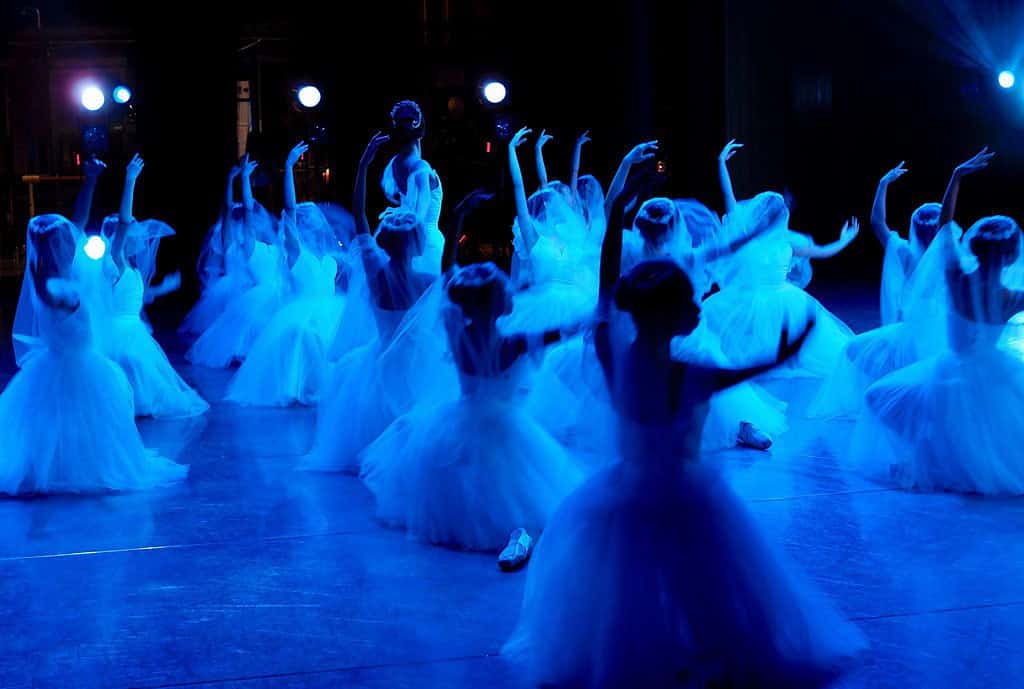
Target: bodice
(265,262)
(763,262)
(128,293)
(313,277)
(64,331)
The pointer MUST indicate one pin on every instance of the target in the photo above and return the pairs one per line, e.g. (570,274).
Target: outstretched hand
(584,138)
(134,168)
(642,152)
(93,167)
(543,139)
(787,347)
(248,166)
(172,282)
(235,171)
(520,137)
(979,162)
(296,153)
(895,173)
(376,142)
(729,151)
(472,201)
(849,232)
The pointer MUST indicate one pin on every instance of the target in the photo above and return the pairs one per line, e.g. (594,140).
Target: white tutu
(229,338)
(679,589)
(158,389)
(72,408)
(465,473)
(288,362)
(217,294)
(954,421)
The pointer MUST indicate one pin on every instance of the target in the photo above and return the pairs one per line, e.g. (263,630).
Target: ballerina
(230,336)
(288,361)
(370,384)
(911,310)
(410,182)
(467,472)
(955,421)
(72,406)
(756,299)
(683,590)
(158,389)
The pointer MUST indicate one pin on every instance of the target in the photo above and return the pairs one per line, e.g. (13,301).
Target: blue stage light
(122,94)
(95,247)
(1007,79)
(92,98)
(309,96)
(495,92)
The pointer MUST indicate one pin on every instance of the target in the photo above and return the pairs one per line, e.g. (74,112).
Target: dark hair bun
(995,239)
(407,122)
(655,289)
(656,219)
(477,287)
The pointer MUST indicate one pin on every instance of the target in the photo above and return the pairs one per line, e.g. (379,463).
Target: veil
(54,259)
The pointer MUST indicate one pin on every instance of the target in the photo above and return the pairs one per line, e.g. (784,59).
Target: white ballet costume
(158,389)
(218,292)
(464,473)
(288,361)
(428,262)
(654,574)
(757,301)
(232,334)
(71,420)
(951,422)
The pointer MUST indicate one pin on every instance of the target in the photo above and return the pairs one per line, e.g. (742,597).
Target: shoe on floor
(753,437)
(517,552)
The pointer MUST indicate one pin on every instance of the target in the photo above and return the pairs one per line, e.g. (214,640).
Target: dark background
(827,96)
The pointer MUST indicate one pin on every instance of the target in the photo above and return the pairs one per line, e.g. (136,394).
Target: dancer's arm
(846,236)
(878,222)
(247,236)
(526,228)
(125,217)
(577,153)
(640,153)
(727,377)
(228,231)
(451,237)
(289,177)
(955,251)
(724,179)
(169,285)
(542,168)
(359,194)
(92,168)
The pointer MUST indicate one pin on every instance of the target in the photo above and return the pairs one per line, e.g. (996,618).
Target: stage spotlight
(92,98)
(495,92)
(95,247)
(122,94)
(309,96)
(1007,79)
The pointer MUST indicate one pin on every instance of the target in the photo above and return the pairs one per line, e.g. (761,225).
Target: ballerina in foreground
(682,589)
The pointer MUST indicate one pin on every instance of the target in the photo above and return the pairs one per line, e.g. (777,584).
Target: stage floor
(256,576)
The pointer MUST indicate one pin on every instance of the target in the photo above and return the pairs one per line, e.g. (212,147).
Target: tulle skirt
(212,302)
(651,578)
(230,337)
(465,473)
(550,306)
(952,422)
(866,358)
(749,319)
(288,362)
(158,389)
(70,428)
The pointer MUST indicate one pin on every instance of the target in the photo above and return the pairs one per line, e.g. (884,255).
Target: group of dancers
(579,398)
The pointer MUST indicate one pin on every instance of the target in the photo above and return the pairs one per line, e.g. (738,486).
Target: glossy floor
(254,575)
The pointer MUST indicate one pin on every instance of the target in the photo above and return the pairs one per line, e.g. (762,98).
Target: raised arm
(248,202)
(125,217)
(611,255)
(978,162)
(577,154)
(542,168)
(451,236)
(526,228)
(228,231)
(92,168)
(359,194)
(289,178)
(847,234)
(724,178)
(639,153)
(878,224)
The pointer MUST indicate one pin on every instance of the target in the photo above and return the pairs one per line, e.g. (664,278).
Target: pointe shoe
(753,437)
(517,552)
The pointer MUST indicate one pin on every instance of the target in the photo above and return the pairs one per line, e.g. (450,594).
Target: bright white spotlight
(122,94)
(495,92)
(309,96)
(1007,79)
(92,98)
(95,247)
